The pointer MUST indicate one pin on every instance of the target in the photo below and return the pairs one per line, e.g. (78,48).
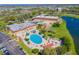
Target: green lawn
(59,31)
(25,48)
(1,53)
(62,31)
(70,15)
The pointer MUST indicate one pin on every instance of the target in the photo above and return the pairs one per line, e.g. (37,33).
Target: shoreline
(69,15)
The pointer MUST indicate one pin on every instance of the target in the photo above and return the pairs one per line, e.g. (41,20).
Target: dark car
(5,51)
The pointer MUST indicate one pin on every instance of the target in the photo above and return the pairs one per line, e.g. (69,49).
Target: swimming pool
(35,38)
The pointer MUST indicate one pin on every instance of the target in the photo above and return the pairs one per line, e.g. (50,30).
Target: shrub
(35,51)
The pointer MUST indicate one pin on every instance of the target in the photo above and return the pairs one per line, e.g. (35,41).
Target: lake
(73,27)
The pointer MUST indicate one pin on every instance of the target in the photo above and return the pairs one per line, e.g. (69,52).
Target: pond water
(73,27)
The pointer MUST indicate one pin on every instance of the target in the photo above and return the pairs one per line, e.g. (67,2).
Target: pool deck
(51,42)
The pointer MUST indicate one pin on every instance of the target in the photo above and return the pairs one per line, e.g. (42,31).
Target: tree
(50,34)
(10,18)
(35,51)
(58,50)
(55,25)
(2,25)
(39,26)
(61,50)
(20,19)
(49,51)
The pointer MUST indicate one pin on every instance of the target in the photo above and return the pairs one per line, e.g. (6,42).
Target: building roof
(4,38)
(47,17)
(16,27)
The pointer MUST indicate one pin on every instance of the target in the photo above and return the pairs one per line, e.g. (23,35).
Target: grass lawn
(1,53)
(62,31)
(25,48)
(70,15)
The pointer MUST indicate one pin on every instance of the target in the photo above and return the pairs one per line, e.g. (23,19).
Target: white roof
(15,27)
(43,16)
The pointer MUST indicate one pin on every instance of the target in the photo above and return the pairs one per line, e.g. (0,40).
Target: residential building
(16,29)
(47,19)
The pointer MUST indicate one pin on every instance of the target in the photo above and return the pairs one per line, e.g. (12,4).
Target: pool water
(35,38)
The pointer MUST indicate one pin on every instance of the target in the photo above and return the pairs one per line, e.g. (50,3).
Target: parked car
(5,51)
